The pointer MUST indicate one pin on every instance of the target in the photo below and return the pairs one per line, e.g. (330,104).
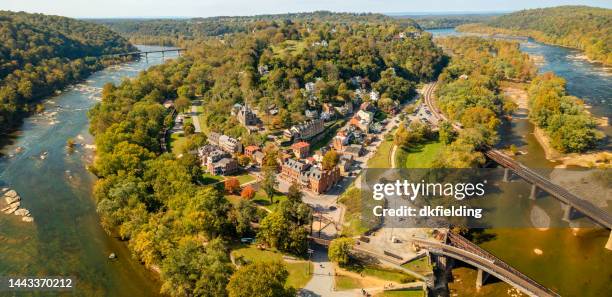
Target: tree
(248,193)
(181,104)
(446,133)
(232,185)
(270,159)
(294,193)
(260,279)
(188,129)
(339,250)
(194,270)
(330,160)
(269,183)
(244,214)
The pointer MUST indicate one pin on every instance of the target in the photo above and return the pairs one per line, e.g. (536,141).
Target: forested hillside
(175,31)
(40,54)
(446,21)
(580,27)
(155,199)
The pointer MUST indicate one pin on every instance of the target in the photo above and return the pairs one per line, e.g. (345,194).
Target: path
(196,119)
(322,281)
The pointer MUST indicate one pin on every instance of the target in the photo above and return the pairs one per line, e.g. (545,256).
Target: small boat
(112,256)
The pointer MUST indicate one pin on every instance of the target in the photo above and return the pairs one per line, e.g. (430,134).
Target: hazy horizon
(195,8)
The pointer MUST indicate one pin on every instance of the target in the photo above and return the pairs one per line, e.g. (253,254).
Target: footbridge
(146,53)
(459,248)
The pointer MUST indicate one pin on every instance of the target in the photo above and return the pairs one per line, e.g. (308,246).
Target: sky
(206,8)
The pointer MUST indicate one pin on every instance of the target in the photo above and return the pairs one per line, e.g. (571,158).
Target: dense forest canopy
(40,54)
(169,219)
(447,20)
(581,27)
(174,31)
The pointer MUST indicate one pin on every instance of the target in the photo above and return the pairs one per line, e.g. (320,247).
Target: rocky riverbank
(11,204)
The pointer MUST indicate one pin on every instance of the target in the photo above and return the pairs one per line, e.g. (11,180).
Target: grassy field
(177,140)
(298,270)
(382,157)
(209,179)
(244,178)
(292,47)
(383,273)
(420,265)
(401,293)
(418,156)
(344,282)
(262,199)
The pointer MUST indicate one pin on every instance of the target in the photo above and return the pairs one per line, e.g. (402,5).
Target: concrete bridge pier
(570,213)
(481,278)
(534,192)
(507,175)
(609,243)
(163,56)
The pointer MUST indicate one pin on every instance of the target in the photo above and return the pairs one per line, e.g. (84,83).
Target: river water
(65,238)
(573,265)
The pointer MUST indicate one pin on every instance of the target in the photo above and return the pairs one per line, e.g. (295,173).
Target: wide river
(65,238)
(573,265)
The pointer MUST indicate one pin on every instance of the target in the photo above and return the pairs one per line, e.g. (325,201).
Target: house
(320,181)
(345,163)
(258,156)
(223,166)
(341,140)
(374,95)
(362,120)
(355,150)
(326,116)
(225,142)
(168,103)
(210,154)
(310,87)
(292,169)
(311,114)
(301,149)
(250,150)
(305,130)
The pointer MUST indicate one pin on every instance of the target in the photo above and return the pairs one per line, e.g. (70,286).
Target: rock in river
(11,200)
(11,193)
(22,212)
(27,219)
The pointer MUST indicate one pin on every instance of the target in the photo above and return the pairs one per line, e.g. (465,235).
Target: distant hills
(170,31)
(580,27)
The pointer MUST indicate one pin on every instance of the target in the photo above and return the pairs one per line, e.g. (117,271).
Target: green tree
(260,279)
(339,250)
(269,183)
(181,104)
(330,160)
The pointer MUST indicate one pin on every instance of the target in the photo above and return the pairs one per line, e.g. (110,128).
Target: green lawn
(177,141)
(298,270)
(262,199)
(244,178)
(209,179)
(420,265)
(382,157)
(402,293)
(383,273)
(418,156)
(344,282)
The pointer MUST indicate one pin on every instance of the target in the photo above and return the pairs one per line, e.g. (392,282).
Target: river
(66,238)
(573,265)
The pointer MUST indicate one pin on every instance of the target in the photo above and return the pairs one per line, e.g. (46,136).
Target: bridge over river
(573,205)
